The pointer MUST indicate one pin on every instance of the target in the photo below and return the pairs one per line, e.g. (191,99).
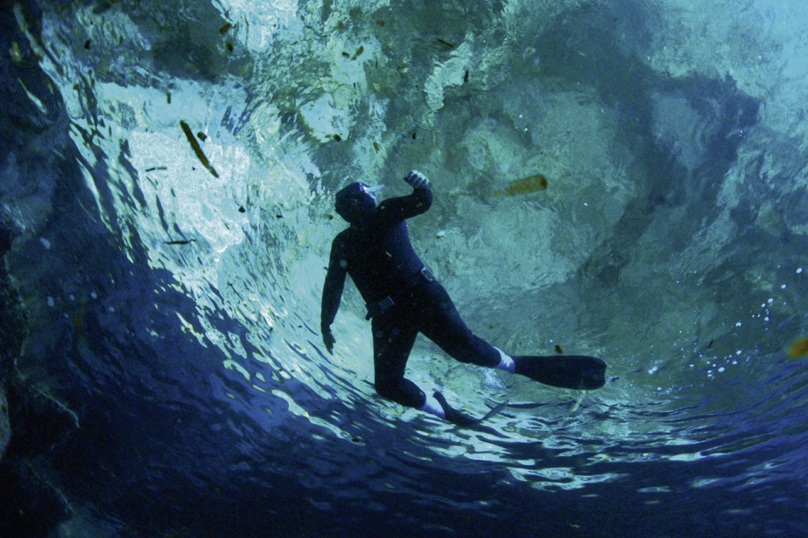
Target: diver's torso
(381,260)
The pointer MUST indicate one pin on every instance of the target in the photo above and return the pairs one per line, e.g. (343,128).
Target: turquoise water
(173,296)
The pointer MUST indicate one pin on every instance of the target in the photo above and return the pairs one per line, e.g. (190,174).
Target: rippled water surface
(172,288)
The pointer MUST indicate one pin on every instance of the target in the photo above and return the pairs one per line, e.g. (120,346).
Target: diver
(403,298)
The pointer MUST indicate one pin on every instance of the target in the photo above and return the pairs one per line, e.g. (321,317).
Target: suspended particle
(168,97)
(338,138)
(798,349)
(359,51)
(16,55)
(197,150)
(229,46)
(524,186)
(376,147)
(227,26)
(559,350)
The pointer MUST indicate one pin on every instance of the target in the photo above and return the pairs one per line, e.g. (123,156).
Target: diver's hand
(417,180)
(328,339)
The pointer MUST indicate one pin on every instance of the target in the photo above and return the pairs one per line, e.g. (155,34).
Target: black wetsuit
(378,256)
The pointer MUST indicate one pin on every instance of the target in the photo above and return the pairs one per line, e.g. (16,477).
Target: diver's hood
(356,202)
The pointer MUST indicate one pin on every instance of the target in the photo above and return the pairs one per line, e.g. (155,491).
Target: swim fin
(564,371)
(452,415)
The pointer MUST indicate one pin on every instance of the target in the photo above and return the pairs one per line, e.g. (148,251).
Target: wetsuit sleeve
(334,284)
(395,210)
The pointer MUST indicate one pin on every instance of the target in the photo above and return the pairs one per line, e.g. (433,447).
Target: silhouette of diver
(404,298)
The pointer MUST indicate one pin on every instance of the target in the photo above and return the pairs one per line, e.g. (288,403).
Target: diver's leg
(393,338)
(441,323)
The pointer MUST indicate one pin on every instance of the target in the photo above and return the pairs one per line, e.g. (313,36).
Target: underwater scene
(623,179)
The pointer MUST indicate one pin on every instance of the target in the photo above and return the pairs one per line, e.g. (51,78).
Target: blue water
(173,306)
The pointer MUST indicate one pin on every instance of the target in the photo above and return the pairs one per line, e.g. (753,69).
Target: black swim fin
(564,371)
(452,415)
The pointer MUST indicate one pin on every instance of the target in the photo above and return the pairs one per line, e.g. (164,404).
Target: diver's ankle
(434,407)
(506,362)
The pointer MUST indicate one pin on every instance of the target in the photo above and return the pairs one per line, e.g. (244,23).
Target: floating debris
(559,350)
(168,97)
(201,136)
(224,29)
(447,43)
(359,51)
(798,349)
(180,242)
(16,55)
(338,138)
(524,186)
(153,168)
(377,147)
(195,145)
